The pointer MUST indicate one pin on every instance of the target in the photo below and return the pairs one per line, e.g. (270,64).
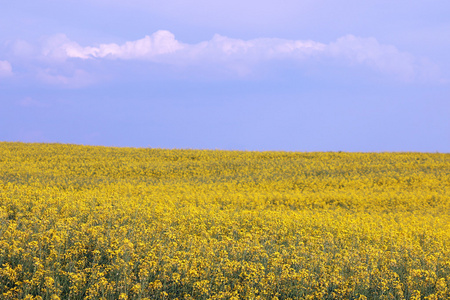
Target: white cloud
(367,51)
(61,61)
(159,43)
(240,55)
(55,47)
(224,48)
(162,44)
(5,68)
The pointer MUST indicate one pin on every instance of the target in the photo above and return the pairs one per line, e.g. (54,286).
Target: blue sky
(248,75)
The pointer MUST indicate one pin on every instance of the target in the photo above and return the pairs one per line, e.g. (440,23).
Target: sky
(290,75)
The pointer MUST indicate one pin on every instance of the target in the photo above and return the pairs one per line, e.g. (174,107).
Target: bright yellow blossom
(80,222)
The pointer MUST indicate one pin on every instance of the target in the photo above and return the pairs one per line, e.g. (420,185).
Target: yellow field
(80,222)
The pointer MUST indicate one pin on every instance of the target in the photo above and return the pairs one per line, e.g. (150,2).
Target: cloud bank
(242,57)
(160,43)
(162,47)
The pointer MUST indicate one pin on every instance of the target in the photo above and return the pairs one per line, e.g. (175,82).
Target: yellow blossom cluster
(81,222)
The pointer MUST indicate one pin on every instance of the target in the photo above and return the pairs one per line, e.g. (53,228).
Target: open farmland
(79,222)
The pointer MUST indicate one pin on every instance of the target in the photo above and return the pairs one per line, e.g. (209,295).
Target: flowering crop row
(79,222)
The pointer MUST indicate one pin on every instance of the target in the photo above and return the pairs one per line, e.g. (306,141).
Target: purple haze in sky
(250,75)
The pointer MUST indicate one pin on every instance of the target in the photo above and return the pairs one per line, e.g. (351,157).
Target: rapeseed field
(79,222)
